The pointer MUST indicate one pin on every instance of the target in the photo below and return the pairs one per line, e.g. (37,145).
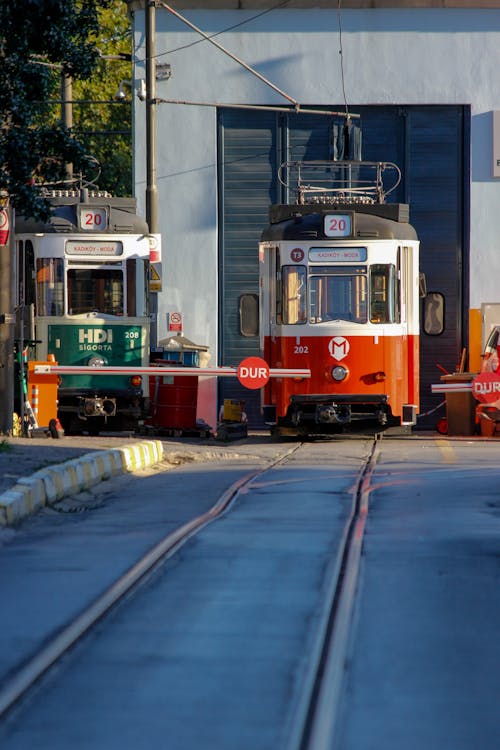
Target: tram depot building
(421,78)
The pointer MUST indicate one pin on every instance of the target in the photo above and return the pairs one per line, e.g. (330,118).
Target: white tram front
(83,297)
(339,294)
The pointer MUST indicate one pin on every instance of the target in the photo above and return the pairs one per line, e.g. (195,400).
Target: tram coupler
(96,407)
(381,415)
(333,414)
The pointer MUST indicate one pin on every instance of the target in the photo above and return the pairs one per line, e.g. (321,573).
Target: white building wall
(390,56)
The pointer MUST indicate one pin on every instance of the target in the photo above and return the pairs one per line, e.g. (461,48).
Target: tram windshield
(107,288)
(95,289)
(357,294)
(338,293)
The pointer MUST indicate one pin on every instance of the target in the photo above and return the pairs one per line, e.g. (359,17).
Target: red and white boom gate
(252,372)
(485,387)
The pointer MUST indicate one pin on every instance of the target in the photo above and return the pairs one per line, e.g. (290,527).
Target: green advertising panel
(75,344)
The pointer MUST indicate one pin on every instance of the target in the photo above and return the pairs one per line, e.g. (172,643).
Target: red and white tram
(339,294)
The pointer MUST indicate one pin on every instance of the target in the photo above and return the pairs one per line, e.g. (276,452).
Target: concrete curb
(51,484)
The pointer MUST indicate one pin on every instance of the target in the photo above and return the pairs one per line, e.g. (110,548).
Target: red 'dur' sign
(486,387)
(4,227)
(253,372)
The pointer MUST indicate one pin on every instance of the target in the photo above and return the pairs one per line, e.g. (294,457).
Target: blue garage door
(430,144)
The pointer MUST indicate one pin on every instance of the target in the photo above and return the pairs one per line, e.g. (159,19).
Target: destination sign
(338,254)
(96,248)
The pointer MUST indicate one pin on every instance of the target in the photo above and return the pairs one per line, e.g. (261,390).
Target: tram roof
(371,221)
(122,215)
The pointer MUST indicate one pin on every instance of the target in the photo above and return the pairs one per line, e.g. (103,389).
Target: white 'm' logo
(338,347)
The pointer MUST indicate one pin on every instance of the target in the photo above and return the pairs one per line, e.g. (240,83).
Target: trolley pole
(7,320)
(151,188)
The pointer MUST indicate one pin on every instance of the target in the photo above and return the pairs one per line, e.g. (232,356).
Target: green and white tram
(83,295)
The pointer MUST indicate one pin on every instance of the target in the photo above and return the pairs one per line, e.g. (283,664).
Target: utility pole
(151,188)
(67,111)
(7,320)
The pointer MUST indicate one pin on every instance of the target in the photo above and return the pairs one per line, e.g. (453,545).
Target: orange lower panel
(365,357)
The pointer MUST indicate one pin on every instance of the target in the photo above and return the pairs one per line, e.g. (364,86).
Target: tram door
(25,289)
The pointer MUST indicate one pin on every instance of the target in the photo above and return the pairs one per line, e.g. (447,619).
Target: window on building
(249,314)
(433,313)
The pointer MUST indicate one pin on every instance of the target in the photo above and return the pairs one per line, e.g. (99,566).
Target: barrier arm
(167,370)
(451,388)
(485,387)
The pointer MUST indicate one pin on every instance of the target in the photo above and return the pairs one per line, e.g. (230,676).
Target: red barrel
(173,401)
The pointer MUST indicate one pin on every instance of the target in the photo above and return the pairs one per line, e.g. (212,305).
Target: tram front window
(384,294)
(49,286)
(293,289)
(95,290)
(338,293)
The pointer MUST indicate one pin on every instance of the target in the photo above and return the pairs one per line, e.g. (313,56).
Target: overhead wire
(341,53)
(224,31)
(228,53)
(236,59)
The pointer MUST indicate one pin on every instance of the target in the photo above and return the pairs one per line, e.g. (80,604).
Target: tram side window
(384,294)
(95,290)
(26,274)
(293,287)
(279,289)
(137,287)
(50,287)
(131,288)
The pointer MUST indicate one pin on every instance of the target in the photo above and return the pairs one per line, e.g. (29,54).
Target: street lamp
(121,94)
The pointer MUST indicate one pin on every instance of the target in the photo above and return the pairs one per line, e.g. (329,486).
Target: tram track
(24,679)
(326,684)
(315,716)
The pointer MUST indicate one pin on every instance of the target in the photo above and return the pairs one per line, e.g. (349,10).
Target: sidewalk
(39,471)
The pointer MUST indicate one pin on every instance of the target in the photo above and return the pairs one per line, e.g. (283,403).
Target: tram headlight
(339,373)
(379,376)
(136,381)
(97,361)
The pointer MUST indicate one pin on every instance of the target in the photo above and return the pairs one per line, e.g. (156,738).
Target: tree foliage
(105,128)
(40,40)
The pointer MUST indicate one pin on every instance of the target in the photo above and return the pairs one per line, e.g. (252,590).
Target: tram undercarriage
(88,412)
(341,410)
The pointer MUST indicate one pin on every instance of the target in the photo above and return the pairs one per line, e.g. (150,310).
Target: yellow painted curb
(51,484)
